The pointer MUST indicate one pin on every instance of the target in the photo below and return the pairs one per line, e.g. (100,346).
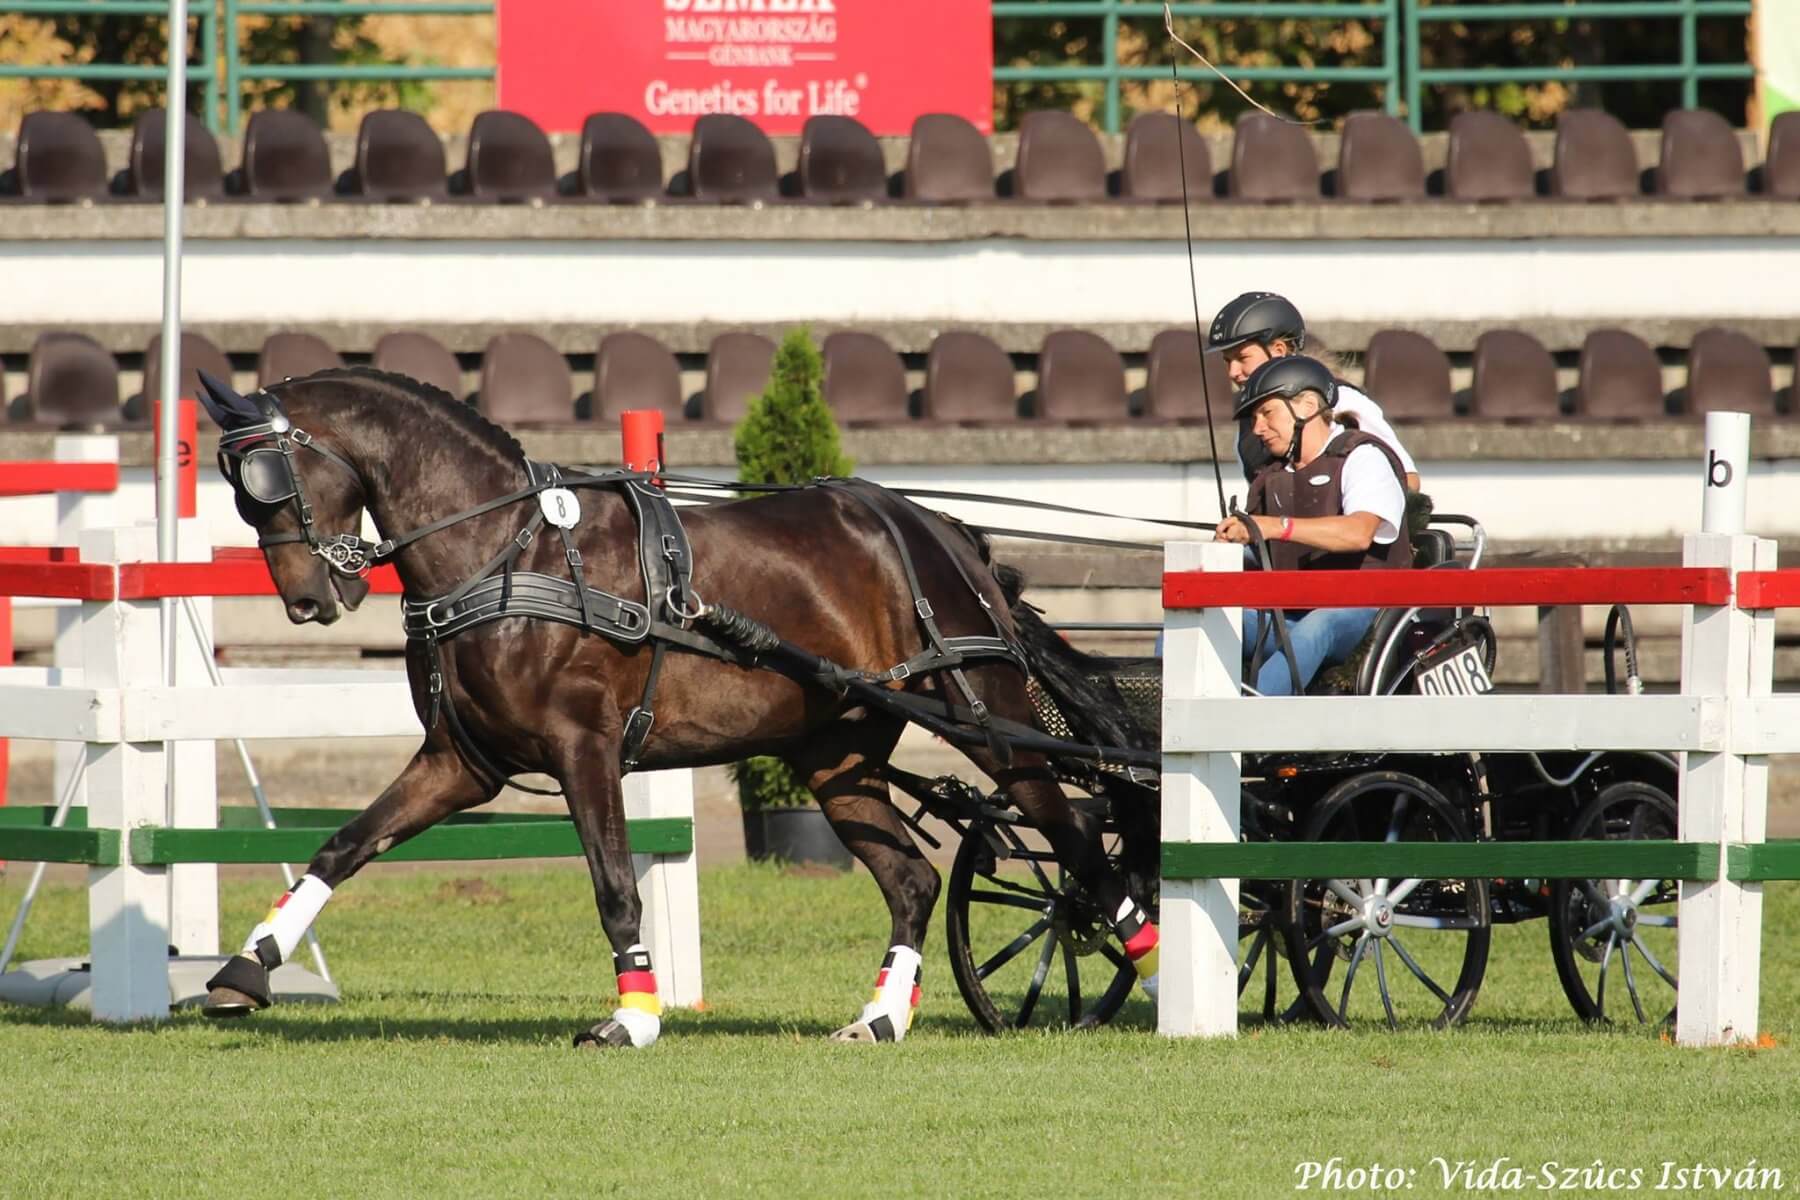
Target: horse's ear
(227,407)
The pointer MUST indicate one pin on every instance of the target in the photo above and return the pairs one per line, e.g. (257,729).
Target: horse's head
(303,498)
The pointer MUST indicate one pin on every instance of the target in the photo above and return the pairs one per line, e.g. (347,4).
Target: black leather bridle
(259,461)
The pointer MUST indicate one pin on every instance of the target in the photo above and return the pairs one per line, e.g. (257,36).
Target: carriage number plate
(1462,674)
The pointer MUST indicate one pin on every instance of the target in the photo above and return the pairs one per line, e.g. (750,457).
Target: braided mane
(441,404)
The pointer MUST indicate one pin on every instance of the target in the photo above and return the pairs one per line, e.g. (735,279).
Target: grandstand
(1545,312)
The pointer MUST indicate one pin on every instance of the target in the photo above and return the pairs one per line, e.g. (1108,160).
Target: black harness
(259,460)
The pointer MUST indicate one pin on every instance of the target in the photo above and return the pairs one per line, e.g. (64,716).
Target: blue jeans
(1321,636)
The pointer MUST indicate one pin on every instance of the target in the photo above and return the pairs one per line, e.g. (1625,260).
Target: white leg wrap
(895,988)
(643,1027)
(276,936)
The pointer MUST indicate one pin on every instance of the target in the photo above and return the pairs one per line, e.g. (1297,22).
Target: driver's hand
(1231,529)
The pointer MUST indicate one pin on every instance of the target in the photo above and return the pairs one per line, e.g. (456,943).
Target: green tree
(788,436)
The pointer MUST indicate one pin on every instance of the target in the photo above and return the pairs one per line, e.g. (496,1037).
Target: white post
(669,886)
(1724,797)
(76,511)
(194,796)
(1201,795)
(128,906)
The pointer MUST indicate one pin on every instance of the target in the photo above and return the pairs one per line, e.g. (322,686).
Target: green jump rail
(26,836)
(1692,861)
(200,70)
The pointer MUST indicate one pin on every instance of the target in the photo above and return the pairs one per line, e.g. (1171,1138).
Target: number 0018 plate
(1462,674)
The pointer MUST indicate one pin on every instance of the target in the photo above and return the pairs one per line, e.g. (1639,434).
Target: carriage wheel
(1598,925)
(1262,951)
(1417,947)
(1027,946)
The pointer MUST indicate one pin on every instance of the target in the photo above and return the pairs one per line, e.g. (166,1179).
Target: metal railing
(200,69)
(238,72)
(1111,73)
(1689,70)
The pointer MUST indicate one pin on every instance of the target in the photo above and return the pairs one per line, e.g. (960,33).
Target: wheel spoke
(1612,940)
(1072,972)
(1115,956)
(1656,921)
(1654,964)
(1637,1004)
(1269,990)
(1419,921)
(1362,944)
(1037,983)
(1009,899)
(1596,897)
(1257,944)
(1644,889)
(1419,971)
(1595,928)
(1344,892)
(1381,985)
(1338,930)
(1032,933)
(1406,888)
(1393,835)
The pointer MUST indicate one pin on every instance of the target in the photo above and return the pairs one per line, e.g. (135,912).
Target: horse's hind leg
(1031,785)
(841,763)
(433,785)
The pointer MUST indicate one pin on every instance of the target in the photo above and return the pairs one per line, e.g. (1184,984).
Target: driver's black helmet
(1286,377)
(1258,317)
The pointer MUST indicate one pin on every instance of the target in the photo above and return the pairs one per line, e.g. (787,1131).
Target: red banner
(776,62)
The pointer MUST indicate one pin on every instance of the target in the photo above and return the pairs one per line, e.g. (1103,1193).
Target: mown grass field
(448,1071)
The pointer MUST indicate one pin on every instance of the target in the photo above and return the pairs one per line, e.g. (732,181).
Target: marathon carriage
(1027,947)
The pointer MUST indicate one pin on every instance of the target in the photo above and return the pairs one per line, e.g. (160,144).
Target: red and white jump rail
(127,719)
(1723,723)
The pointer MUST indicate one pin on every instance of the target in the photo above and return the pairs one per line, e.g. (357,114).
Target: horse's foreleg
(596,795)
(433,785)
(841,764)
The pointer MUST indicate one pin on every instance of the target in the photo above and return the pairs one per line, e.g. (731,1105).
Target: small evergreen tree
(788,436)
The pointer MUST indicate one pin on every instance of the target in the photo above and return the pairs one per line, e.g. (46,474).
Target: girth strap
(668,565)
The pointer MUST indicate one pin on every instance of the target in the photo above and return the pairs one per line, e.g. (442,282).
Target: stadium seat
(1272,160)
(421,357)
(1515,378)
(292,355)
(737,371)
(1701,158)
(1594,158)
(1379,159)
(1080,378)
(948,161)
(1729,370)
(840,161)
(1621,378)
(1060,160)
(969,378)
(1781,168)
(1489,159)
(72,382)
(203,177)
(1154,160)
(399,158)
(509,160)
(1174,389)
(197,354)
(865,382)
(285,157)
(620,161)
(1407,375)
(731,161)
(526,380)
(59,159)
(633,370)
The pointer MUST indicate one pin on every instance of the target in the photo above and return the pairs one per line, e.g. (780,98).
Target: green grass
(447,1071)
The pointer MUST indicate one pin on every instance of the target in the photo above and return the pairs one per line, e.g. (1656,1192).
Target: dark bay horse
(818,566)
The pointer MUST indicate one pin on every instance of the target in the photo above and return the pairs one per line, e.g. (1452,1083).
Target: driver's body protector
(1317,490)
(1351,402)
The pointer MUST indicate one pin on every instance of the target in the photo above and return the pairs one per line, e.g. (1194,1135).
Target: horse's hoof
(239,989)
(861,1032)
(604,1036)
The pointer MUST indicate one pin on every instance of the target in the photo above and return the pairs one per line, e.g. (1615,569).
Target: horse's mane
(440,404)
